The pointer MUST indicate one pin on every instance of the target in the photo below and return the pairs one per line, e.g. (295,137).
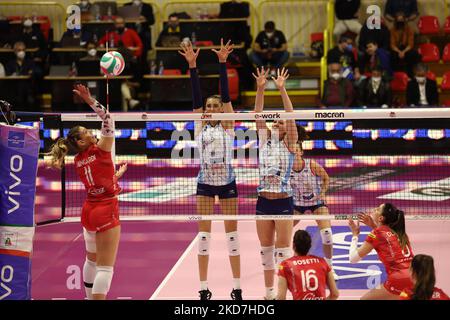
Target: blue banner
(19,152)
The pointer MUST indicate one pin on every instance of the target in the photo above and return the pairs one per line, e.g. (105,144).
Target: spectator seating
(171,72)
(400,81)
(429,52)
(445,85)
(447,25)
(446,54)
(428,25)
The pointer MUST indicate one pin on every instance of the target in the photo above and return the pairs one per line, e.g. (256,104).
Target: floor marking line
(174,268)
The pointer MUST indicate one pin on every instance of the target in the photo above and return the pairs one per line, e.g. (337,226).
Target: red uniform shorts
(398,282)
(100,215)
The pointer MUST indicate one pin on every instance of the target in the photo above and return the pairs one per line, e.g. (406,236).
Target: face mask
(92,52)
(376,79)
(28,23)
(137,2)
(20,55)
(84,3)
(421,80)
(335,76)
(269,34)
(120,30)
(349,47)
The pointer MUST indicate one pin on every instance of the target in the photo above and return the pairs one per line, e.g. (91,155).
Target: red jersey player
(100,213)
(390,241)
(424,278)
(306,276)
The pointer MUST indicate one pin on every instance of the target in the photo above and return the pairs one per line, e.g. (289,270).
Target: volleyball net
(371,156)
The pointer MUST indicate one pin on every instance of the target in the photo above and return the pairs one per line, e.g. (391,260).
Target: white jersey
(275,165)
(215,146)
(306,186)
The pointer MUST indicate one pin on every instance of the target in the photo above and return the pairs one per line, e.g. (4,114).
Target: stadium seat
(446,53)
(447,25)
(429,52)
(206,43)
(431,75)
(428,25)
(446,103)
(233,83)
(45,26)
(171,72)
(400,81)
(317,36)
(445,85)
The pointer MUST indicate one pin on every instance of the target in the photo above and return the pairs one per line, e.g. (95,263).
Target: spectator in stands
(143,27)
(337,91)
(91,52)
(375,57)
(343,54)
(75,37)
(237,32)
(422,91)
(33,38)
(122,36)
(346,17)
(172,34)
(5,34)
(407,7)
(402,45)
(22,66)
(85,6)
(381,36)
(375,92)
(270,47)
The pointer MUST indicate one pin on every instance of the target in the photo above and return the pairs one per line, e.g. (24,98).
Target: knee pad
(233,244)
(282,254)
(268,257)
(103,279)
(204,239)
(89,240)
(327,236)
(89,272)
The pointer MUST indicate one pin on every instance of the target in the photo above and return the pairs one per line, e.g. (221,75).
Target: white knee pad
(89,240)
(103,279)
(282,254)
(89,272)
(268,257)
(327,236)
(233,244)
(204,239)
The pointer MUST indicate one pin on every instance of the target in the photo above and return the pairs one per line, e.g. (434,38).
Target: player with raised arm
(216,176)
(390,241)
(100,214)
(276,158)
(310,183)
(306,276)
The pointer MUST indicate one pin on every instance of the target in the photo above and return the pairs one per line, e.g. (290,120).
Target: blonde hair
(61,148)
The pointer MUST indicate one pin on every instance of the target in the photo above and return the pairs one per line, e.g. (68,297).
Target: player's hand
(366,219)
(189,54)
(224,51)
(84,93)
(261,77)
(122,169)
(282,76)
(354,226)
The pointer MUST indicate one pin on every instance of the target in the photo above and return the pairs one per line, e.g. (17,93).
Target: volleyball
(112,63)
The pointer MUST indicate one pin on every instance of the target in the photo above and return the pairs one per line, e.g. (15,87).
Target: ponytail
(395,219)
(62,146)
(302,136)
(423,271)
(58,152)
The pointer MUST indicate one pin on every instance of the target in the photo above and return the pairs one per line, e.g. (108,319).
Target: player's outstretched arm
(261,81)
(356,254)
(191,58)
(334,292)
(107,132)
